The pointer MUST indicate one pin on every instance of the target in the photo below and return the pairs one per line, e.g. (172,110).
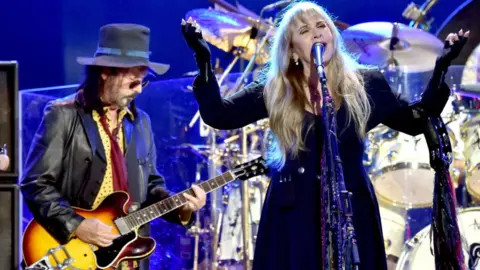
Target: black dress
(289,232)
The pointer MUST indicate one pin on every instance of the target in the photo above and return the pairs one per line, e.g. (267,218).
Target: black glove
(450,52)
(196,42)
(433,101)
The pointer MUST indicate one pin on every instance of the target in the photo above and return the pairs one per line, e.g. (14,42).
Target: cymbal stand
(245,192)
(253,59)
(392,64)
(417,15)
(245,195)
(214,219)
(246,230)
(196,230)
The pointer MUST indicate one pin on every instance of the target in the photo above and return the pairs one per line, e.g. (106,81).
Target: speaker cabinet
(9,120)
(10,226)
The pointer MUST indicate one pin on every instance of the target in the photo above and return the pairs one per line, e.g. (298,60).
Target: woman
(289,235)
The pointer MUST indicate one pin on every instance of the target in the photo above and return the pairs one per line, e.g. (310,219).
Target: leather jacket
(66,165)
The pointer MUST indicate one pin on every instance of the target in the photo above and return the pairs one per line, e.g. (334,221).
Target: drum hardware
(418,15)
(231,31)
(254,57)
(227,30)
(197,232)
(375,137)
(216,238)
(246,229)
(392,155)
(414,49)
(228,153)
(470,90)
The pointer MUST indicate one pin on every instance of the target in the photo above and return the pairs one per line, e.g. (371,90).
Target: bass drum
(471,136)
(417,254)
(393,227)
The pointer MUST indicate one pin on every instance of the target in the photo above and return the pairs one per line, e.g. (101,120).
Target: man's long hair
(92,87)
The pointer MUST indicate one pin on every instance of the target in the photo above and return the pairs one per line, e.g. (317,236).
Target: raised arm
(42,170)
(244,107)
(410,118)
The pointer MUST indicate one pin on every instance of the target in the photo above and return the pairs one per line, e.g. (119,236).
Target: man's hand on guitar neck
(93,231)
(193,203)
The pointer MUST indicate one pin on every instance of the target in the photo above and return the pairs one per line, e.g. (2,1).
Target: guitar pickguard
(108,255)
(128,246)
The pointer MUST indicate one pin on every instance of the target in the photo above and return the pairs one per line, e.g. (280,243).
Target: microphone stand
(342,250)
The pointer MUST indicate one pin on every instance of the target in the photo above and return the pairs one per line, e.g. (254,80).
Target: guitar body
(38,244)
(42,250)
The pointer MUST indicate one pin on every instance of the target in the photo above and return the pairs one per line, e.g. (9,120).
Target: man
(96,141)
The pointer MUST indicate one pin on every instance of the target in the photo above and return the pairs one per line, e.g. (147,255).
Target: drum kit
(398,164)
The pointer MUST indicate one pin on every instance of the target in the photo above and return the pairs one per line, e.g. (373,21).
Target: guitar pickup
(122,226)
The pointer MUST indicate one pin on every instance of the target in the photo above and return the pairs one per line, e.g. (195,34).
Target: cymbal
(416,49)
(229,30)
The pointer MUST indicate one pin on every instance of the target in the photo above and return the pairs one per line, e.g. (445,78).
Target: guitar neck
(165,206)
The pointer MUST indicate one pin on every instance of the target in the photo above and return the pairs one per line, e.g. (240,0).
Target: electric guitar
(42,251)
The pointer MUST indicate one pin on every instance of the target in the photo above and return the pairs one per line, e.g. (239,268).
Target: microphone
(318,50)
(279,4)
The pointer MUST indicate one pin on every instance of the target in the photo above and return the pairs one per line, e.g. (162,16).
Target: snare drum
(471,137)
(417,254)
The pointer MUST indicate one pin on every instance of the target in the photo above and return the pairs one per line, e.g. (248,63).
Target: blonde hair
(284,94)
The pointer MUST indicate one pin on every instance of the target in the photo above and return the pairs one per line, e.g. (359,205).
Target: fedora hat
(124,46)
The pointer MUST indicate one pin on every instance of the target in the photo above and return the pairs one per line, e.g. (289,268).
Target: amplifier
(10,226)
(9,134)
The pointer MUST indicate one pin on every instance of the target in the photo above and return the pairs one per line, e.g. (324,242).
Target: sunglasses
(134,84)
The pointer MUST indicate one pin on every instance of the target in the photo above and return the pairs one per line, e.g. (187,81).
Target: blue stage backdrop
(45,37)
(171,106)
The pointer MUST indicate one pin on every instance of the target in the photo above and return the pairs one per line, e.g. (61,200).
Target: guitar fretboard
(161,208)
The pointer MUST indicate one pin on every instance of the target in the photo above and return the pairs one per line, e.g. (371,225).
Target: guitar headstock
(251,169)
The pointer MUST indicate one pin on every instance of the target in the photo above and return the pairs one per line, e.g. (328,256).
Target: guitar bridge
(122,226)
(44,263)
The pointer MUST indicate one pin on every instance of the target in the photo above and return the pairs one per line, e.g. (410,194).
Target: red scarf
(119,168)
